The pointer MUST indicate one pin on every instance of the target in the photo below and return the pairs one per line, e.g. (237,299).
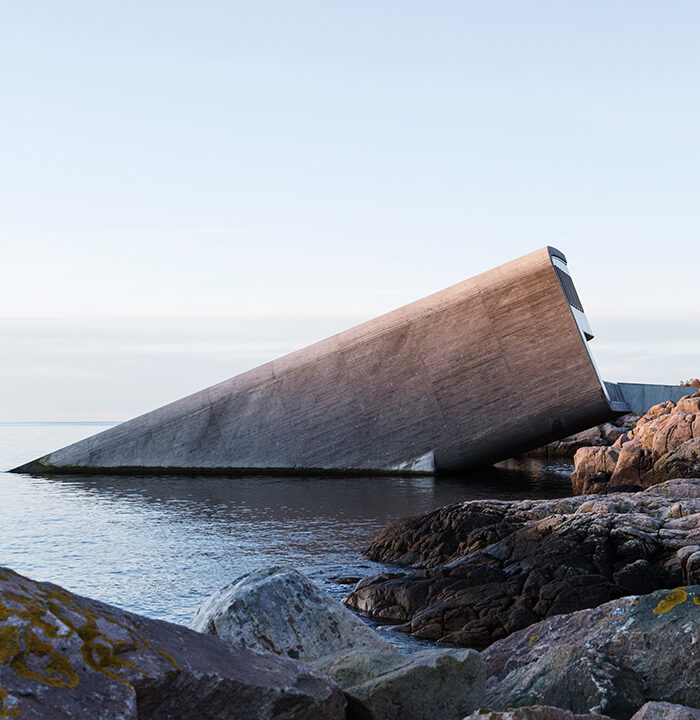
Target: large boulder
(611,659)
(510,565)
(280,610)
(65,656)
(663,444)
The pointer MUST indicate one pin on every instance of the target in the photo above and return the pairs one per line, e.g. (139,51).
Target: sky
(191,189)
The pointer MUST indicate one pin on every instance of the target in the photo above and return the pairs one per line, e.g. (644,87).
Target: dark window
(569,290)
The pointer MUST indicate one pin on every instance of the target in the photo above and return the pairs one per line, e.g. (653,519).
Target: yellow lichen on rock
(9,643)
(5,711)
(40,661)
(51,613)
(673,598)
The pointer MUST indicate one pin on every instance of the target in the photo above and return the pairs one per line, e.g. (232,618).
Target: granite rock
(65,656)
(666,711)
(280,610)
(425,685)
(492,568)
(611,659)
(663,444)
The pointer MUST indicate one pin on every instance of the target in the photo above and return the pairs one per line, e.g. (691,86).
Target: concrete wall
(641,396)
(473,374)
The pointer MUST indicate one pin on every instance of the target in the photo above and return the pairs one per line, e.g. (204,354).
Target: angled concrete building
(471,375)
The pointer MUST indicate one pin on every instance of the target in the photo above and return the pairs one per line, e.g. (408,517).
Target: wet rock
(533,712)
(611,659)
(65,656)
(347,579)
(279,610)
(569,555)
(666,711)
(663,444)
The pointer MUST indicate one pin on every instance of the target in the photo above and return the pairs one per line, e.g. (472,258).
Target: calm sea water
(160,545)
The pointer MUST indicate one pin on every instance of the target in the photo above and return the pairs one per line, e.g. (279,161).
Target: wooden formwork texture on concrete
(475,373)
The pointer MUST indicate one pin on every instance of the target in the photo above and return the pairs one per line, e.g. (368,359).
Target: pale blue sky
(190,189)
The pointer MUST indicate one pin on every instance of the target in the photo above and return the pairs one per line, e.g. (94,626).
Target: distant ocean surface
(160,545)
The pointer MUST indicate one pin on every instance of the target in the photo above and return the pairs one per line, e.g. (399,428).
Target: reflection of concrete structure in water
(473,374)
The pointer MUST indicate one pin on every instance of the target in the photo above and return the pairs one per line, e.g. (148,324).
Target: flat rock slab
(610,659)
(65,656)
(516,563)
(533,712)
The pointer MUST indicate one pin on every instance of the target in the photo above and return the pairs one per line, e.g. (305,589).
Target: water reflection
(160,545)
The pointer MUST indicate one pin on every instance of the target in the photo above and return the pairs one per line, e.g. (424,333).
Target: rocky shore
(599,436)
(578,608)
(638,430)
(65,656)
(272,645)
(663,444)
(491,568)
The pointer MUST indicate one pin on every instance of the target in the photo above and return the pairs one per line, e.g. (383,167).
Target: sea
(160,546)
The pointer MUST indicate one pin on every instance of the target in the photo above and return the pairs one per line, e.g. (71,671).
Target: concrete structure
(640,396)
(476,373)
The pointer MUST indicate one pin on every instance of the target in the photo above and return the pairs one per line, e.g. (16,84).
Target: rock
(598,436)
(693,382)
(279,610)
(536,559)
(533,712)
(663,444)
(455,530)
(65,656)
(628,488)
(610,659)
(426,685)
(353,667)
(666,711)
(593,468)
(682,461)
